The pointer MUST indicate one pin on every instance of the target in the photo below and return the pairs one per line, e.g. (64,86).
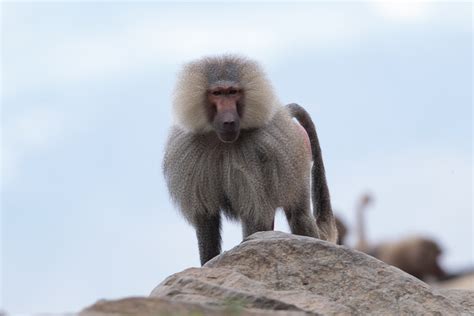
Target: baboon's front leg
(252,225)
(208,231)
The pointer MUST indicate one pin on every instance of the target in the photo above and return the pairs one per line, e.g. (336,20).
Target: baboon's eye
(216,93)
(232,91)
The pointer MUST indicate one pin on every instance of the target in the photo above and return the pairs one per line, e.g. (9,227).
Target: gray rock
(284,272)
(462,297)
(464,282)
(149,306)
(274,273)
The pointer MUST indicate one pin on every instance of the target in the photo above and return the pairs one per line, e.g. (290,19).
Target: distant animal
(234,150)
(415,255)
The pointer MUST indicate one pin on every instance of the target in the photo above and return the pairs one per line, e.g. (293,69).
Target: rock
(274,273)
(465,282)
(463,297)
(147,306)
(284,272)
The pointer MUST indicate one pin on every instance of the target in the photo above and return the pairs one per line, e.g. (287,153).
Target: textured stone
(464,282)
(274,273)
(147,306)
(274,270)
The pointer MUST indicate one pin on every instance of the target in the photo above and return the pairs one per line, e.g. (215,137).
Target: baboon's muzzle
(227,126)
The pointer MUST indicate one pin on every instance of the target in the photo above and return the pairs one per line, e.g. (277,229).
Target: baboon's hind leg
(301,221)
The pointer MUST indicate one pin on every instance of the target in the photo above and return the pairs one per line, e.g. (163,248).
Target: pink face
(225,109)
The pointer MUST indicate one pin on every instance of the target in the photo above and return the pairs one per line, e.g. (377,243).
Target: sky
(86,106)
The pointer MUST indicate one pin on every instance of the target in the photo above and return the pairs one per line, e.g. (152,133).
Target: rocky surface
(462,297)
(145,306)
(465,282)
(274,273)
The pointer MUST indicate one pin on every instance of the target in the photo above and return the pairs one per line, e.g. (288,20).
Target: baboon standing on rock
(234,150)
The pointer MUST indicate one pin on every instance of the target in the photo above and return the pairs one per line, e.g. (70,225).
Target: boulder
(463,282)
(275,273)
(149,306)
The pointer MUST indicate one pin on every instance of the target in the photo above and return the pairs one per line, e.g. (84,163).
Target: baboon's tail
(319,189)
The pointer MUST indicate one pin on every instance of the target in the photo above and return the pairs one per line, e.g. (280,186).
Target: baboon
(234,150)
(415,255)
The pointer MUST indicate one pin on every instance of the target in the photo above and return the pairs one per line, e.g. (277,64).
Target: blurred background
(86,90)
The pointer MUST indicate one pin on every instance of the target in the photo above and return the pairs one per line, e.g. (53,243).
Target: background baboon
(415,255)
(234,150)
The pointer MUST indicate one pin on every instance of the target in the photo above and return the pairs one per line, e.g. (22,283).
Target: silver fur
(266,168)
(195,78)
(257,173)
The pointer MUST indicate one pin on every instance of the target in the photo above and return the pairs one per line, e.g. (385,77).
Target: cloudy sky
(86,93)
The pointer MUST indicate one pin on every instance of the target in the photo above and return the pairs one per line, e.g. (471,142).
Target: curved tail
(319,189)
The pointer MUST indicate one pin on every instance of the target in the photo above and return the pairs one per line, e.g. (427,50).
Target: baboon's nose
(229,124)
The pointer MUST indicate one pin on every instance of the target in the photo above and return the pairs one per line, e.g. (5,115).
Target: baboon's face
(225,105)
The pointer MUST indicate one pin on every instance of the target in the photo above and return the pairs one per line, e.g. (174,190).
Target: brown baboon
(235,151)
(415,255)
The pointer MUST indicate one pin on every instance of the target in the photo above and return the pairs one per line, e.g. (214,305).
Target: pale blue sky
(86,95)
